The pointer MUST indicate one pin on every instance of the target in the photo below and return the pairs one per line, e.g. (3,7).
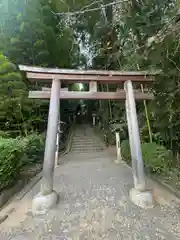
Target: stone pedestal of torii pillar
(139,194)
(47,198)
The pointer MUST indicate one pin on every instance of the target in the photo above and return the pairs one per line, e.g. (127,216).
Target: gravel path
(93,205)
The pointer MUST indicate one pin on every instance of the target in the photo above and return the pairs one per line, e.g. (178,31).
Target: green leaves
(18,114)
(11,154)
(16,153)
(22,27)
(157,158)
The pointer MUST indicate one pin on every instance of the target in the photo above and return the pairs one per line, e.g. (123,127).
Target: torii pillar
(47,198)
(139,195)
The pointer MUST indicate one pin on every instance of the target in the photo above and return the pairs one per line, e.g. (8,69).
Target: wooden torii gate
(47,197)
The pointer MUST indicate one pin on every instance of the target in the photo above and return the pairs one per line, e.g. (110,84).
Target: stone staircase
(85,146)
(85,141)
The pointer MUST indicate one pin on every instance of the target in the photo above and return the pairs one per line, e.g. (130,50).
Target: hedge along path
(17,157)
(16,153)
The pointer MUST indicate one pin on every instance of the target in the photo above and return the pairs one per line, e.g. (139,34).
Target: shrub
(111,138)
(157,158)
(33,148)
(4,134)
(18,152)
(10,161)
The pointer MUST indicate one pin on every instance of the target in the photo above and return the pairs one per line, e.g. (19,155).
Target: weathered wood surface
(87,77)
(93,86)
(49,89)
(83,72)
(120,95)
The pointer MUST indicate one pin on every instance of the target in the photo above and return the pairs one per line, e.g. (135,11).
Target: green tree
(19,115)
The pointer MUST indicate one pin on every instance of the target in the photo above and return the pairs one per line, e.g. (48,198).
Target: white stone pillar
(138,194)
(94,120)
(118,147)
(47,198)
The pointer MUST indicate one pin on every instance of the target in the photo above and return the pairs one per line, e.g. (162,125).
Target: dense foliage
(157,159)
(17,152)
(11,153)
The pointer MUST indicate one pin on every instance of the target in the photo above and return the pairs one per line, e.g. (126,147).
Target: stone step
(86,144)
(85,156)
(85,139)
(77,154)
(86,147)
(87,150)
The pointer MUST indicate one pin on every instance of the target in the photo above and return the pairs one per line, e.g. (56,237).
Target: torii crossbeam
(120,95)
(73,75)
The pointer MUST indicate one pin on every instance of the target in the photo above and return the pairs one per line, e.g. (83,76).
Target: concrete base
(142,199)
(42,203)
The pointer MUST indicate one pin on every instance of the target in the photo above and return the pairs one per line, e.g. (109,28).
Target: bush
(4,134)
(157,158)
(10,161)
(16,153)
(33,148)
(111,138)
